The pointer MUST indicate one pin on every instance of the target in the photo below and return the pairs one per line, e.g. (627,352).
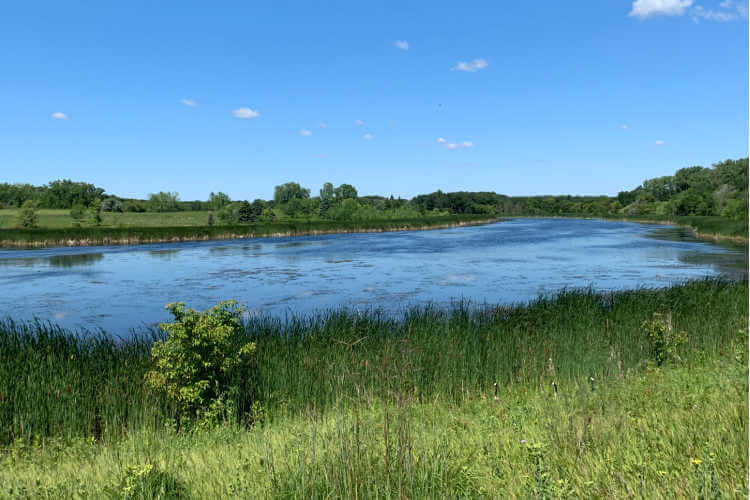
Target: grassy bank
(130,235)
(679,431)
(369,405)
(704,227)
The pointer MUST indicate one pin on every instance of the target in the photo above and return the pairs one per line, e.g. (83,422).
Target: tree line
(719,190)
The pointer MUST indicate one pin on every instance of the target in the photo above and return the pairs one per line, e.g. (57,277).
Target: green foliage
(226,215)
(27,216)
(218,200)
(245,212)
(95,213)
(111,204)
(205,364)
(663,338)
(290,191)
(141,482)
(210,221)
(163,201)
(78,214)
(345,192)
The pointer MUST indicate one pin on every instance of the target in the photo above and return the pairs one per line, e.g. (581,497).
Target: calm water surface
(119,288)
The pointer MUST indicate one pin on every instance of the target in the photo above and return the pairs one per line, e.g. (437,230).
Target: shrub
(663,338)
(205,365)
(27,216)
(147,481)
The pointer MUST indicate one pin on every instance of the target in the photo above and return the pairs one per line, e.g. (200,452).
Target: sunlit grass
(372,404)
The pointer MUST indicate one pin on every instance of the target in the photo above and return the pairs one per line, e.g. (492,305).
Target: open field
(60,219)
(365,405)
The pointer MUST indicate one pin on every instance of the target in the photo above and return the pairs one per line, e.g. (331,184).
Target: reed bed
(60,384)
(84,236)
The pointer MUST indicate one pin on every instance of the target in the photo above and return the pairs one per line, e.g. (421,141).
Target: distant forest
(721,190)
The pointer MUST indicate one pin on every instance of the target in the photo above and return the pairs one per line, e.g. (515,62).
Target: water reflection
(81,259)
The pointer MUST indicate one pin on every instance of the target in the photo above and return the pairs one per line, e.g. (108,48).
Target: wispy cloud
(57,115)
(727,10)
(322,125)
(660,142)
(471,66)
(401,44)
(454,145)
(189,102)
(245,113)
(648,8)
(305,132)
(359,123)
(624,126)
(367,137)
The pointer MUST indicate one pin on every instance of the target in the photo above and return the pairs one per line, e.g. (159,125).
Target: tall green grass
(56,383)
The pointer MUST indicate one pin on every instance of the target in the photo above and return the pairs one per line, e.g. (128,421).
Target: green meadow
(566,396)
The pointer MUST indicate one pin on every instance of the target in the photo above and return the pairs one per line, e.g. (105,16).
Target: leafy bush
(205,365)
(27,216)
(147,481)
(663,338)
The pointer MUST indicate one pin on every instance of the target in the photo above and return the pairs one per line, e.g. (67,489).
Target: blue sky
(401,98)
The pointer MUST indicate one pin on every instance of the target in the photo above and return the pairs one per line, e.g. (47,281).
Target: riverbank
(92,236)
(363,404)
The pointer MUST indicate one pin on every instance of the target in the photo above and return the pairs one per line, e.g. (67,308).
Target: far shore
(48,238)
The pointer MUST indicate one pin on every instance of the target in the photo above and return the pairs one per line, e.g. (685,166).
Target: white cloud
(359,123)
(367,137)
(647,8)
(189,102)
(716,15)
(402,44)
(454,145)
(660,142)
(305,132)
(245,113)
(471,66)
(624,126)
(322,125)
(57,115)
(728,10)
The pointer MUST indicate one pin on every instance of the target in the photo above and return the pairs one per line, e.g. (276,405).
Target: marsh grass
(662,432)
(132,234)
(55,383)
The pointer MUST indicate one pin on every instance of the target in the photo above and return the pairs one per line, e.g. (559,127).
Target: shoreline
(712,237)
(141,240)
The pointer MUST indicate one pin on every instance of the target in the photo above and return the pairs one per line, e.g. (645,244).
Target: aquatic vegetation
(55,382)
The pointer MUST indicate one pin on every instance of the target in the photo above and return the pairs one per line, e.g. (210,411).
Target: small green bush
(206,365)
(148,482)
(663,338)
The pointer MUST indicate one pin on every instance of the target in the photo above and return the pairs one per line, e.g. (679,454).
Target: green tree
(27,216)
(78,214)
(345,192)
(290,191)
(258,205)
(327,192)
(219,200)
(210,220)
(95,213)
(245,212)
(111,204)
(163,201)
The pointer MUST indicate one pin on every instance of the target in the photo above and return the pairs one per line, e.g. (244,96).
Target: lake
(118,288)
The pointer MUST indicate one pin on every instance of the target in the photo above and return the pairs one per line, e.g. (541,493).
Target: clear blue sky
(586,97)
